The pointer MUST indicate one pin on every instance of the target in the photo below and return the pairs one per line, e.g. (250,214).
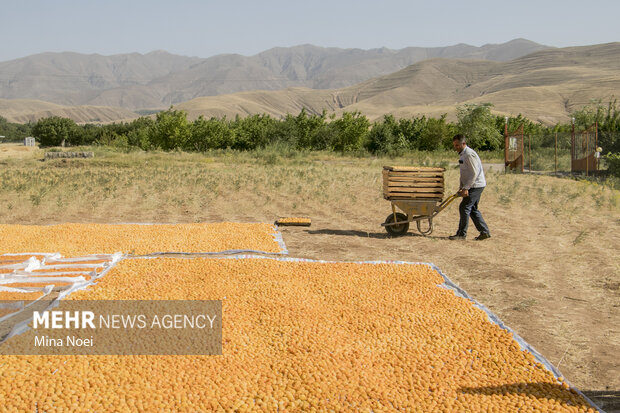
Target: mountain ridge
(158,79)
(545,86)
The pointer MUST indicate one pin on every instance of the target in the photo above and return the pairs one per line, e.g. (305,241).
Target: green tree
(210,134)
(613,163)
(298,131)
(435,133)
(589,114)
(609,138)
(351,130)
(608,119)
(411,130)
(170,131)
(86,134)
(529,127)
(53,131)
(381,139)
(539,134)
(323,137)
(252,132)
(476,122)
(384,137)
(306,126)
(138,132)
(13,132)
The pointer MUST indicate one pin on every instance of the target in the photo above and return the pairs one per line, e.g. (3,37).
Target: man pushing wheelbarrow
(418,192)
(472,184)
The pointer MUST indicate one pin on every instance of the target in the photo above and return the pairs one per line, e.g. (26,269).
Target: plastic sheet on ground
(23,273)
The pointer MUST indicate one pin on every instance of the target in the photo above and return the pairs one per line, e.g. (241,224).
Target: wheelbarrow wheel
(397,230)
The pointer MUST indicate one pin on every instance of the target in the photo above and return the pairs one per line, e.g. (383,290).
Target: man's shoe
(457,237)
(483,236)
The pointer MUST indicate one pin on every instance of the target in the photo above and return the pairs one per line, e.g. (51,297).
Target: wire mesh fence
(558,152)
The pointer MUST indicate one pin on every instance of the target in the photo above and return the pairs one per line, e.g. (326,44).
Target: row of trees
(171,130)
(14,131)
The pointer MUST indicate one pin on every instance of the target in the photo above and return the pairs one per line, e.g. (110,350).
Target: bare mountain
(158,79)
(24,111)
(309,66)
(78,79)
(544,86)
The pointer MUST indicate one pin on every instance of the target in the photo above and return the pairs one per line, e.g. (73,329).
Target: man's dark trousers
(469,207)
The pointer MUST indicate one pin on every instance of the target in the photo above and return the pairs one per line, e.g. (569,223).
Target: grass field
(551,270)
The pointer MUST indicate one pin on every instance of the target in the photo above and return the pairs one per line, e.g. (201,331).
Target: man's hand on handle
(463,192)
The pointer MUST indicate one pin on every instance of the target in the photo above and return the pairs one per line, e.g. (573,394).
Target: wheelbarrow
(415,210)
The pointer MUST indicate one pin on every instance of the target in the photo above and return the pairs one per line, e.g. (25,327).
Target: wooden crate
(413,182)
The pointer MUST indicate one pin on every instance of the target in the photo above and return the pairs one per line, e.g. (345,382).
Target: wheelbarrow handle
(445,203)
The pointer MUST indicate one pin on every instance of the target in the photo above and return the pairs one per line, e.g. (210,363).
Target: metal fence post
(556,152)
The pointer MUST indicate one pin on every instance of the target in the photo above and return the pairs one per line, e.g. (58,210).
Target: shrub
(351,129)
(54,131)
(613,163)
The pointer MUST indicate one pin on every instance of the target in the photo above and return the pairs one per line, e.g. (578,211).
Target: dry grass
(18,151)
(550,271)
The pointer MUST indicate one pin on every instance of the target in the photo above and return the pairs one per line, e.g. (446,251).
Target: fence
(513,148)
(567,152)
(584,144)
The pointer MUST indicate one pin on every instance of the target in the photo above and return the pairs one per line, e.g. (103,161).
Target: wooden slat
(412,178)
(426,197)
(413,190)
(413,195)
(438,185)
(414,168)
(406,175)
(414,175)
(437,181)
(421,171)
(420,179)
(417,190)
(390,184)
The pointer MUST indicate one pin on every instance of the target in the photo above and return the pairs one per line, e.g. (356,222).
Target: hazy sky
(206,28)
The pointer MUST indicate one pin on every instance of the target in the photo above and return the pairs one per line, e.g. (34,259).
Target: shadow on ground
(609,401)
(365,234)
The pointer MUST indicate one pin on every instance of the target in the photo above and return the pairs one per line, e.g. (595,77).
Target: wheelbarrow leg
(429,231)
(394,212)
